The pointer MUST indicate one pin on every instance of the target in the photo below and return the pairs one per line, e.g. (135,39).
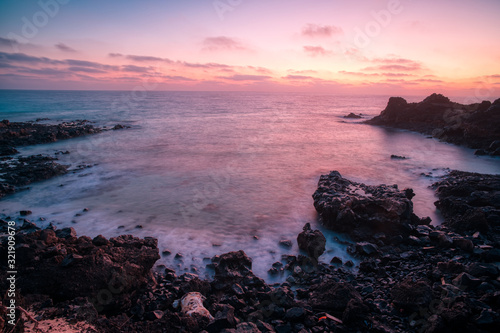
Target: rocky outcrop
(362,210)
(107,273)
(470,202)
(30,133)
(475,125)
(21,171)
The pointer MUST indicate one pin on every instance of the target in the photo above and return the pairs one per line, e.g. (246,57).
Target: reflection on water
(207,173)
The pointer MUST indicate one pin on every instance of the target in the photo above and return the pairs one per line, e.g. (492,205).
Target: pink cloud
(222,43)
(65,48)
(314,51)
(315,30)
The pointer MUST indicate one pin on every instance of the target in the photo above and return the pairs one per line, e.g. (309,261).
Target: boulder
(363,210)
(410,295)
(311,241)
(330,295)
(232,265)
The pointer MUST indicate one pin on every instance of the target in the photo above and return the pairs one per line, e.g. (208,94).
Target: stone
(232,265)
(466,281)
(311,241)
(363,210)
(100,240)
(332,296)
(66,233)
(295,314)
(411,295)
(286,243)
(366,248)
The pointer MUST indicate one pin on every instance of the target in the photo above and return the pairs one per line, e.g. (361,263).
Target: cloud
(314,51)
(21,57)
(136,69)
(86,70)
(314,30)
(243,77)
(298,77)
(178,78)
(305,71)
(394,64)
(206,65)
(222,43)
(91,64)
(8,42)
(115,55)
(65,48)
(148,59)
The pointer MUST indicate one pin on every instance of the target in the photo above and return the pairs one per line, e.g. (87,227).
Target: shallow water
(208,173)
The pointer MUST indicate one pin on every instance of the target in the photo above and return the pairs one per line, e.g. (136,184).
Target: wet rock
(66,233)
(100,240)
(223,318)
(232,265)
(353,116)
(464,244)
(311,241)
(398,157)
(363,210)
(25,212)
(286,243)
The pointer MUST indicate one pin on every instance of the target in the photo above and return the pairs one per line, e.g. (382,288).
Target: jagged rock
(353,116)
(105,274)
(311,241)
(363,210)
(466,281)
(474,125)
(232,265)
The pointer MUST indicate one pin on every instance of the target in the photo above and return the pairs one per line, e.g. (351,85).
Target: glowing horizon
(378,47)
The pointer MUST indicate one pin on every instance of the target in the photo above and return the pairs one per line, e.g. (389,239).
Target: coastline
(421,278)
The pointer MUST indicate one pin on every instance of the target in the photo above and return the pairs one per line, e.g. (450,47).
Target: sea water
(212,172)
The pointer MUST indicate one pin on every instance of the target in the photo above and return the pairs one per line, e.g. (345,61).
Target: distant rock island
(475,125)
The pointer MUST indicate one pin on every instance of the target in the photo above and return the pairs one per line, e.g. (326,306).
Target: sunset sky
(327,46)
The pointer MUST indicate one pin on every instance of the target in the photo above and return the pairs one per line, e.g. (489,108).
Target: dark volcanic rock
(469,202)
(330,295)
(411,295)
(363,210)
(26,170)
(353,116)
(475,125)
(311,241)
(29,133)
(65,268)
(232,265)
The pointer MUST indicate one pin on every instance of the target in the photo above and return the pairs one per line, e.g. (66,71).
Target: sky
(327,46)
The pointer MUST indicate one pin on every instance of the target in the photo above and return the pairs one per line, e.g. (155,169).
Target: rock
(473,125)
(483,269)
(66,233)
(365,248)
(464,244)
(286,243)
(311,241)
(336,261)
(118,126)
(25,212)
(353,116)
(363,210)
(295,314)
(6,151)
(223,318)
(332,296)
(466,281)
(469,202)
(100,240)
(232,265)
(410,296)
(397,157)
(247,327)
(100,273)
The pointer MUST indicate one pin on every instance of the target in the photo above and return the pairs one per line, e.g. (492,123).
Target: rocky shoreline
(19,171)
(475,126)
(412,276)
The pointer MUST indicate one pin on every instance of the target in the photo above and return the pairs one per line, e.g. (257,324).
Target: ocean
(212,172)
